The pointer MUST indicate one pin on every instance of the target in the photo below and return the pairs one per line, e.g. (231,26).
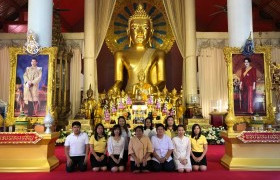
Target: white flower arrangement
(64,134)
(213,135)
(108,132)
(62,137)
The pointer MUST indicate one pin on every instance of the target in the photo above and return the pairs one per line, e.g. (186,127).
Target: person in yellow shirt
(170,127)
(98,143)
(199,149)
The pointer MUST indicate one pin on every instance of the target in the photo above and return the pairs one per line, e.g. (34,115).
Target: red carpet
(215,171)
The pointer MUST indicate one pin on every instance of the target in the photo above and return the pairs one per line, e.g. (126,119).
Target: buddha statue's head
(140,27)
(174,92)
(89,92)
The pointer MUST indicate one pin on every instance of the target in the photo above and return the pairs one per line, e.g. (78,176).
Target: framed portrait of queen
(31,84)
(249,84)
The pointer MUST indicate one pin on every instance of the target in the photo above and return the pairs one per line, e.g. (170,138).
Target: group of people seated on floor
(163,148)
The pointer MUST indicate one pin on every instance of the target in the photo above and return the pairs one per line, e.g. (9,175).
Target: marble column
(240,22)
(89,74)
(190,65)
(40,14)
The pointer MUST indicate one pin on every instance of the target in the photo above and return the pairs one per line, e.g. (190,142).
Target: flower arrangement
(108,132)
(64,134)
(62,137)
(213,135)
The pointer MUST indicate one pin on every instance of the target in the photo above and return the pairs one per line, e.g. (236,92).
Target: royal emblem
(249,48)
(31,46)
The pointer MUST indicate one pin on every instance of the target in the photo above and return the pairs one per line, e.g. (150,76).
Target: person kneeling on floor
(163,148)
(76,148)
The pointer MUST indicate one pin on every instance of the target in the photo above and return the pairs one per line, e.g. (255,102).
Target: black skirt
(125,156)
(202,162)
(95,163)
(112,162)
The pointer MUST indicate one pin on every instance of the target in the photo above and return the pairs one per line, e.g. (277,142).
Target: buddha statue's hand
(116,87)
(154,89)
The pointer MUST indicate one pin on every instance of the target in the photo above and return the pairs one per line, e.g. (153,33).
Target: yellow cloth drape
(4,73)
(102,17)
(275,57)
(175,10)
(181,16)
(212,79)
(75,84)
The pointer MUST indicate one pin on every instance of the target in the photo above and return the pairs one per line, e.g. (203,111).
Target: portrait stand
(36,93)
(262,101)
(255,152)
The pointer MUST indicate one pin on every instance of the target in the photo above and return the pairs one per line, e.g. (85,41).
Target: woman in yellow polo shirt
(199,149)
(170,127)
(98,142)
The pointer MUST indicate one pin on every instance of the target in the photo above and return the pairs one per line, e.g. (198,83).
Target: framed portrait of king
(32,81)
(249,84)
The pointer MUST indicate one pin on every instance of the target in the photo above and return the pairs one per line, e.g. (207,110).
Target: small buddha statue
(174,97)
(140,56)
(89,104)
(141,90)
(98,114)
(180,110)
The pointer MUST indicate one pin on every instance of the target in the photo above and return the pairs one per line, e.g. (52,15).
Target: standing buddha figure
(140,56)
(89,104)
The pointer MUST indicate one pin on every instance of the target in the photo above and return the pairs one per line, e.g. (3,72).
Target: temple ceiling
(211,15)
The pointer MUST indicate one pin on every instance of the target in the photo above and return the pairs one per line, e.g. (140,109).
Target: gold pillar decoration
(230,119)
(62,97)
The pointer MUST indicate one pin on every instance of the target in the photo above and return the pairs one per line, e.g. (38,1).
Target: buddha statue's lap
(142,90)
(140,57)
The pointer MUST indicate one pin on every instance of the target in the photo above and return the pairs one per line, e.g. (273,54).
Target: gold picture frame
(41,90)
(261,103)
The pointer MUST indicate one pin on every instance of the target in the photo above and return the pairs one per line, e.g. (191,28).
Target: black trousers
(166,166)
(133,166)
(77,161)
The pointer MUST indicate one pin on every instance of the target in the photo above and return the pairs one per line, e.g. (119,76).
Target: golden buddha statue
(89,104)
(98,115)
(141,90)
(139,56)
(180,110)
(174,97)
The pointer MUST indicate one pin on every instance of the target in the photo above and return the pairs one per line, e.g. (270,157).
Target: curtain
(102,16)
(75,88)
(275,55)
(212,73)
(4,73)
(176,13)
